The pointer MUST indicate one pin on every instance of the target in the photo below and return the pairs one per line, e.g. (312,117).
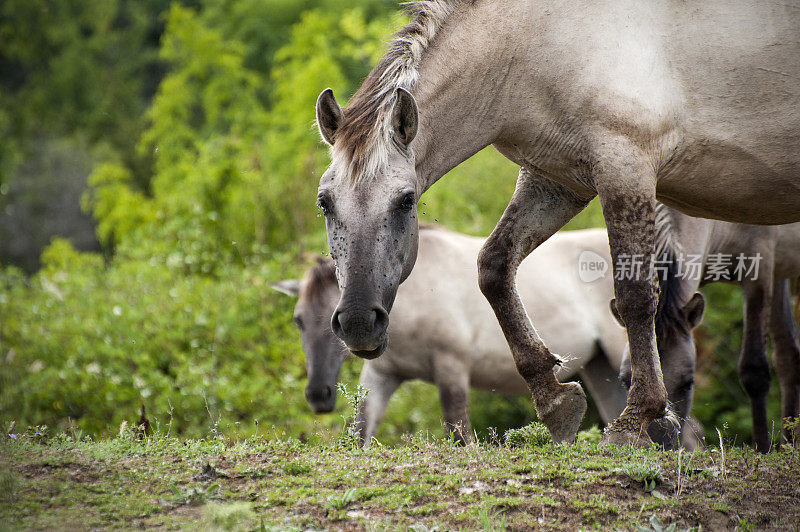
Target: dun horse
(475,354)
(761,259)
(693,104)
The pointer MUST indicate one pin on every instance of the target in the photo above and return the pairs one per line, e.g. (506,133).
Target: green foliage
(91,343)
(535,435)
(656,526)
(76,66)
(591,435)
(232,176)
(230,516)
(340,502)
(647,472)
(719,399)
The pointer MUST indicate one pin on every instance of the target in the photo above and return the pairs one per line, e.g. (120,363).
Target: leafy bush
(91,343)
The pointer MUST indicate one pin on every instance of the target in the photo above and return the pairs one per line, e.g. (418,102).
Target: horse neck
(461,107)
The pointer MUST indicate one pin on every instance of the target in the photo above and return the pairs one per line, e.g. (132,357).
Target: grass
(424,483)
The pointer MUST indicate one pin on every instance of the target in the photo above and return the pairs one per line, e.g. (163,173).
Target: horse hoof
(621,435)
(565,412)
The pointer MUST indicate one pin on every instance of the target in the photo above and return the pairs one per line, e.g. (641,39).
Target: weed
(351,436)
(722,506)
(645,471)
(296,468)
(590,435)
(342,501)
(229,516)
(721,453)
(535,434)
(656,526)
(9,484)
(192,496)
(745,526)
(792,426)
(490,518)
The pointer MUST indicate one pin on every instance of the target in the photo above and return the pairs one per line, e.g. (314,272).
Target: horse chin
(323,408)
(371,354)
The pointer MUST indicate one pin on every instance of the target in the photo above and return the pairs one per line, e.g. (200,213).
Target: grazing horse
(760,259)
(475,354)
(695,104)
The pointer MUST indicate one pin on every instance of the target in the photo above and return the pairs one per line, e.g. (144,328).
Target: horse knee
(637,302)
(494,275)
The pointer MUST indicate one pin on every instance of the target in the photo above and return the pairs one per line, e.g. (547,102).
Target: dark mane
(670,317)
(318,279)
(365,116)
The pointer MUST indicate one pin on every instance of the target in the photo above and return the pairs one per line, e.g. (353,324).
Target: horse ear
(694,309)
(290,287)
(405,116)
(613,306)
(329,115)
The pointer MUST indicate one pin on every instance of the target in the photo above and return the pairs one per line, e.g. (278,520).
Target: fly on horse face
(693,104)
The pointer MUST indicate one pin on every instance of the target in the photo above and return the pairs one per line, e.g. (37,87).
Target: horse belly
(726,182)
(736,151)
(494,370)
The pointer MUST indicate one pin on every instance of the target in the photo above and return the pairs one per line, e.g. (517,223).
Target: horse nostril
(319,394)
(380,321)
(336,325)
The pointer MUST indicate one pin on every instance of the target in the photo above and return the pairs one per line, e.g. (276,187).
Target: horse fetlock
(648,402)
(630,428)
(562,412)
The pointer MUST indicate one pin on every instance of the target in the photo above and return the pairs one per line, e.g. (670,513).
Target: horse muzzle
(322,399)
(363,330)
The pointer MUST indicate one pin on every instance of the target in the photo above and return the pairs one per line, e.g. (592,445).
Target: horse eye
(299,322)
(407,203)
(324,204)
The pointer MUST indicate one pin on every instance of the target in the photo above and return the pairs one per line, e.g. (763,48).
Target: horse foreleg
(380,388)
(625,182)
(452,379)
(603,383)
(786,355)
(753,365)
(537,209)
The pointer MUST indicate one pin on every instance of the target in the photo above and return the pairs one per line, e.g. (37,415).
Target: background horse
(724,252)
(476,354)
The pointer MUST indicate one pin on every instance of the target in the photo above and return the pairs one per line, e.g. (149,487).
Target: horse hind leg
(753,365)
(380,388)
(538,209)
(786,355)
(625,182)
(452,379)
